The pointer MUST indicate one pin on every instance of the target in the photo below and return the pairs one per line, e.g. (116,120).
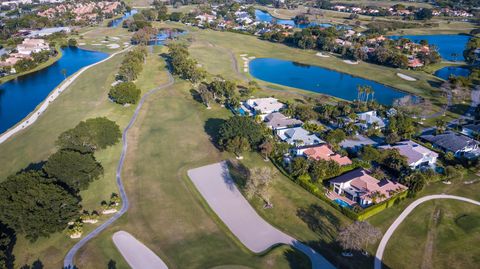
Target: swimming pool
(341,203)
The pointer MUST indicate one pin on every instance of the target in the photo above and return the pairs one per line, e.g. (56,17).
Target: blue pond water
(318,79)
(452,70)
(118,22)
(19,97)
(263,16)
(450,47)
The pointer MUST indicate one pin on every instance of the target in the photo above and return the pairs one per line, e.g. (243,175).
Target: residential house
(298,136)
(359,187)
(357,142)
(264,106)
(458,144)
(205,18)
(30,45)
(277,121)
(370,118)
(323,152)
(417,155)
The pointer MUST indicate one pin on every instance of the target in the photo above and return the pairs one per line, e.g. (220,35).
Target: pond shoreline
(31,117)
(38,68)
(405,92)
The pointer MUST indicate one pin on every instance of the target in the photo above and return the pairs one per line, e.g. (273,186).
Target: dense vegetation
(182,65)
(90,135)
(43,198)
(471,54)
(125,93)
(35,206)
(132,64)
(73,168)
(384,53)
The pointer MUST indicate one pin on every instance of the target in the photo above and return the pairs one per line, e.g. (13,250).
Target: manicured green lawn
(439,234)
(170,137)
(98,38)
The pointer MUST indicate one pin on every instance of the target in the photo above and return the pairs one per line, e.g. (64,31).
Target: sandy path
(222,195)
(405,213)
(137,255)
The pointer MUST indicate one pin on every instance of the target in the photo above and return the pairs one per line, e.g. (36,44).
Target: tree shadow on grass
(435,84)
(33,167)
(459,109)
(326,225)
(296,259)
(35,265)
(212,127)
(239,173)
(8,239)
(196,96)
(112,264)
(319,220)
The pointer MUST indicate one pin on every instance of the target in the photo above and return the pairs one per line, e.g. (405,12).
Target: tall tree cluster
(132,64)
(184,66)
(37,203)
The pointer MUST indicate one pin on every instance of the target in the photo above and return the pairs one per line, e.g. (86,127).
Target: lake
(450,47)
(318,79)
(119,21)
(264,16)
(446,71)
(22,95)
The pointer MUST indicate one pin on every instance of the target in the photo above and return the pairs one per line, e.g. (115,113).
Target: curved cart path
(68,261)
(217,187)
(408,210)
(32,117)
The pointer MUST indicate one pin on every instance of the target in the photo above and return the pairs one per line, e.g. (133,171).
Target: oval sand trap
(405,77)
(137,255)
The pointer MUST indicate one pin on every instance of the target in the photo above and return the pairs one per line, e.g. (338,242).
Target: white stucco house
(417,155)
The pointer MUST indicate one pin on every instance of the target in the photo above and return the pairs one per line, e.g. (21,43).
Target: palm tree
(360,92)
(64,72)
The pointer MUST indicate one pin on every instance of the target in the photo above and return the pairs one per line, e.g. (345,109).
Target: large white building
(264,106)
(30,46)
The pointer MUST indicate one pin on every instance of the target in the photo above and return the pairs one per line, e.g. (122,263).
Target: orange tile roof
(325,153)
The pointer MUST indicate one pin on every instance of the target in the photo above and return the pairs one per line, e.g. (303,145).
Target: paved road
(399,220)
(68,261)
(30,119)
(222,195)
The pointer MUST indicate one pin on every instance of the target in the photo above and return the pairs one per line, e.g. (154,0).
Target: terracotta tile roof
(323,152)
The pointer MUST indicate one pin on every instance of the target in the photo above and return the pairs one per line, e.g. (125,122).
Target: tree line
(384,53)
(126,92)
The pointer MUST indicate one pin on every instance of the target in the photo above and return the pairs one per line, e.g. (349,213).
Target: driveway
(222,195)
(399,220)
(137,255)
